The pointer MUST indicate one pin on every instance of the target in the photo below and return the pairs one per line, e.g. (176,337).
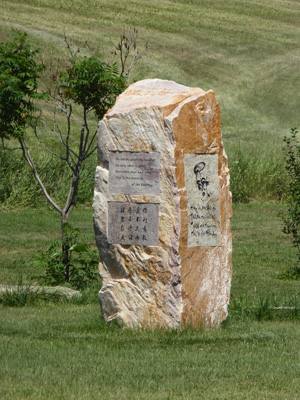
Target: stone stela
(202,184)
(133,223)
(162,208)
(134,173)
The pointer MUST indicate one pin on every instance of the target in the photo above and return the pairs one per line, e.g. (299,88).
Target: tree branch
(27,156)
(73,191)
(91,152)
(46,148)
(73,54)
(87,154)
(87,130)
(9,148)
(127,47)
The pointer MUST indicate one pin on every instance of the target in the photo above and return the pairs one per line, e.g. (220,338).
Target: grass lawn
(27,232)
(248,53)
(260,249)
(66,351)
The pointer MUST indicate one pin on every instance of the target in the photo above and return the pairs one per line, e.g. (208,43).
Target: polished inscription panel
(133,223)
(203,199)
(134,172)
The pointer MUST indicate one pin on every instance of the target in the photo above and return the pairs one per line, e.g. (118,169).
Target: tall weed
(261,177)
(23,295)
(256,178)
(264,308)
(18,187)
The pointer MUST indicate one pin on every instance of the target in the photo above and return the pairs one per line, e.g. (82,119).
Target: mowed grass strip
(24,233)
(260,252)
(246,51)
(68,352)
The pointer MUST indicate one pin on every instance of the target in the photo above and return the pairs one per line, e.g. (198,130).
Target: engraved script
(134,172)
(133,223)
(203,200)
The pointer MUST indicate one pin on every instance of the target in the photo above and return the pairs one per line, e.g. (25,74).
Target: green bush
(290,273)
(291,218)
(82,264)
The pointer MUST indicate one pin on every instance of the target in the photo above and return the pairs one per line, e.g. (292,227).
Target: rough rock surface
(171,284)
(58,290)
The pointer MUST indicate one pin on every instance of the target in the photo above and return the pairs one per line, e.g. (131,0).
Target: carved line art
(201,180)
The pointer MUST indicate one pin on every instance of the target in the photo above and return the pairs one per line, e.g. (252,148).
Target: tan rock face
(162,208)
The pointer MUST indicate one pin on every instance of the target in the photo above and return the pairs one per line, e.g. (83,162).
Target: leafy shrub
(291,218)
(82,262)
(290,273)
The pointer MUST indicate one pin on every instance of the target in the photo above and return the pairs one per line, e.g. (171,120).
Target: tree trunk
(65,246)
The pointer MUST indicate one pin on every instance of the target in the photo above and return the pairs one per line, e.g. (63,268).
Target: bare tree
(78,88)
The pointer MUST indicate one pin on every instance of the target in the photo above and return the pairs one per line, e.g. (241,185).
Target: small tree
(291,218)
(78,88)
(19,73)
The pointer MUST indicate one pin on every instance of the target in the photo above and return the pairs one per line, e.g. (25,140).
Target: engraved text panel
(133,223)
(134,172)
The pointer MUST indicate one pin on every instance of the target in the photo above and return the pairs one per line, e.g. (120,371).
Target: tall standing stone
(162,208)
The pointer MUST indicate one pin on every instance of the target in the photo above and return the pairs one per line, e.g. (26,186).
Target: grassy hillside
(246,51)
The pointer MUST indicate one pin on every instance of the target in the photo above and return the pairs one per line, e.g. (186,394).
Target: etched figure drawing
(201,180)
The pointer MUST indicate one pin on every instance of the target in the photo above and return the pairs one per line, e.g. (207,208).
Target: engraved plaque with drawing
(134,172)
(203,199)
(133,223)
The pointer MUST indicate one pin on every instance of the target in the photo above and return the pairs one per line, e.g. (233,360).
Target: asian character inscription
(134,172)
(203,200)
(133,223)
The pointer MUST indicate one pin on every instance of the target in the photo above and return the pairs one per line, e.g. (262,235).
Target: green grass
(18,187)
(260,249)
(27,232)
(246,51)
(62,350)
(67,352)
